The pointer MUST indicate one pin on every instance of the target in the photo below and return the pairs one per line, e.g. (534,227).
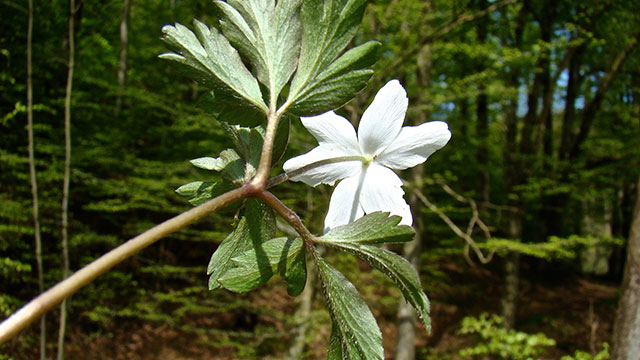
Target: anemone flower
(365,163)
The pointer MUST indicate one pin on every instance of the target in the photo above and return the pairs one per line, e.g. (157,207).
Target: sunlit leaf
(209,58)
(374,228)
(256,226)
(257,265)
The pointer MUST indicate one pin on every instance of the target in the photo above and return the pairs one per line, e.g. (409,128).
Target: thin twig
(470,242)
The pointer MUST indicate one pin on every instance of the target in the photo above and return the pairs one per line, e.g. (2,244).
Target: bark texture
(34,181)
(626,331)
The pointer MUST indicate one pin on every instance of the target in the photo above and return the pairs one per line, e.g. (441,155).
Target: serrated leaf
(256,266)
(256,226)
(337,84)
(331,93)
(374,228)
(328,27)
(399,270)
(199,192)
(209,58)
(354,325)
(265,33)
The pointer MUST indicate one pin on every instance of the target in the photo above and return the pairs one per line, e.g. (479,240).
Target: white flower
(368,181)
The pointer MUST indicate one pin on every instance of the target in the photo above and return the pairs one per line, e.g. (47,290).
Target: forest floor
(577,312)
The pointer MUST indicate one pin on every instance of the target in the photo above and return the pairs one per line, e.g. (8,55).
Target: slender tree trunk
(34,182)
(482,120)
(626,330)
(512,276)
(67,176)
(124,43)
(407,317)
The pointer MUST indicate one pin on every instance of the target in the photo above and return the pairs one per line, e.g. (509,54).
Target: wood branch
(592,108)
(437,34)
(33,178)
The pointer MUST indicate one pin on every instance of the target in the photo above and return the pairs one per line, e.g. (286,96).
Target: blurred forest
(524,214)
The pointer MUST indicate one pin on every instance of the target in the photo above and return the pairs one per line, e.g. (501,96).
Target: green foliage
(254,228)
(582,355)
(378,228)
(208,57)
(374,228)
(321,82)
(256,266)
(496,341)
(268,35)
(355,333)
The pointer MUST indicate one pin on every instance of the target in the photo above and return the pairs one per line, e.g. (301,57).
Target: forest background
(525,213)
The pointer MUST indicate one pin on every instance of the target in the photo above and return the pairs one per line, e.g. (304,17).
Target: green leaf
(208,163)
(335,344)
(257,265)
(374,228)
(353,323)
(257,226)
(282,139)
(328,27)
(399,270)
(265,33)
(211,60)
(295,274)
(337,84)
(331,93)
(231,111)
(199,192)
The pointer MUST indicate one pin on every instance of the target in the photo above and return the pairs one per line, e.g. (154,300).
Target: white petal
(324,174)
(382,191)
(414,145)
(382,120)
(330,128)
(345,205)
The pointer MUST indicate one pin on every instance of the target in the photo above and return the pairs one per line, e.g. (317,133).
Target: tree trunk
(67,176)
(34,182)
(407,317)
(124,42)
(482,120)
(512,276)
(626,330)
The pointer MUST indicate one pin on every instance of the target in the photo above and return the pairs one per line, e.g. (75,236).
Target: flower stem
(286,176)
(47,300)
(288,215)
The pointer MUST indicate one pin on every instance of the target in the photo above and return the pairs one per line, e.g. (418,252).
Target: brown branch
(594,105)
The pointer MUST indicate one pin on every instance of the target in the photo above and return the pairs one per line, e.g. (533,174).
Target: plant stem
(286,176)
(259,181)
(287,214)
(47,300)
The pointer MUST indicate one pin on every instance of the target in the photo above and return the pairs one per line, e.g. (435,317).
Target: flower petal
(345,205)
(323,174)
(382,191)
(414,145)
(330,128)
(382,120)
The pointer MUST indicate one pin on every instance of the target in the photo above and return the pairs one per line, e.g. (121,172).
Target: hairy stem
(287,214)
(259,181)
(47,300)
